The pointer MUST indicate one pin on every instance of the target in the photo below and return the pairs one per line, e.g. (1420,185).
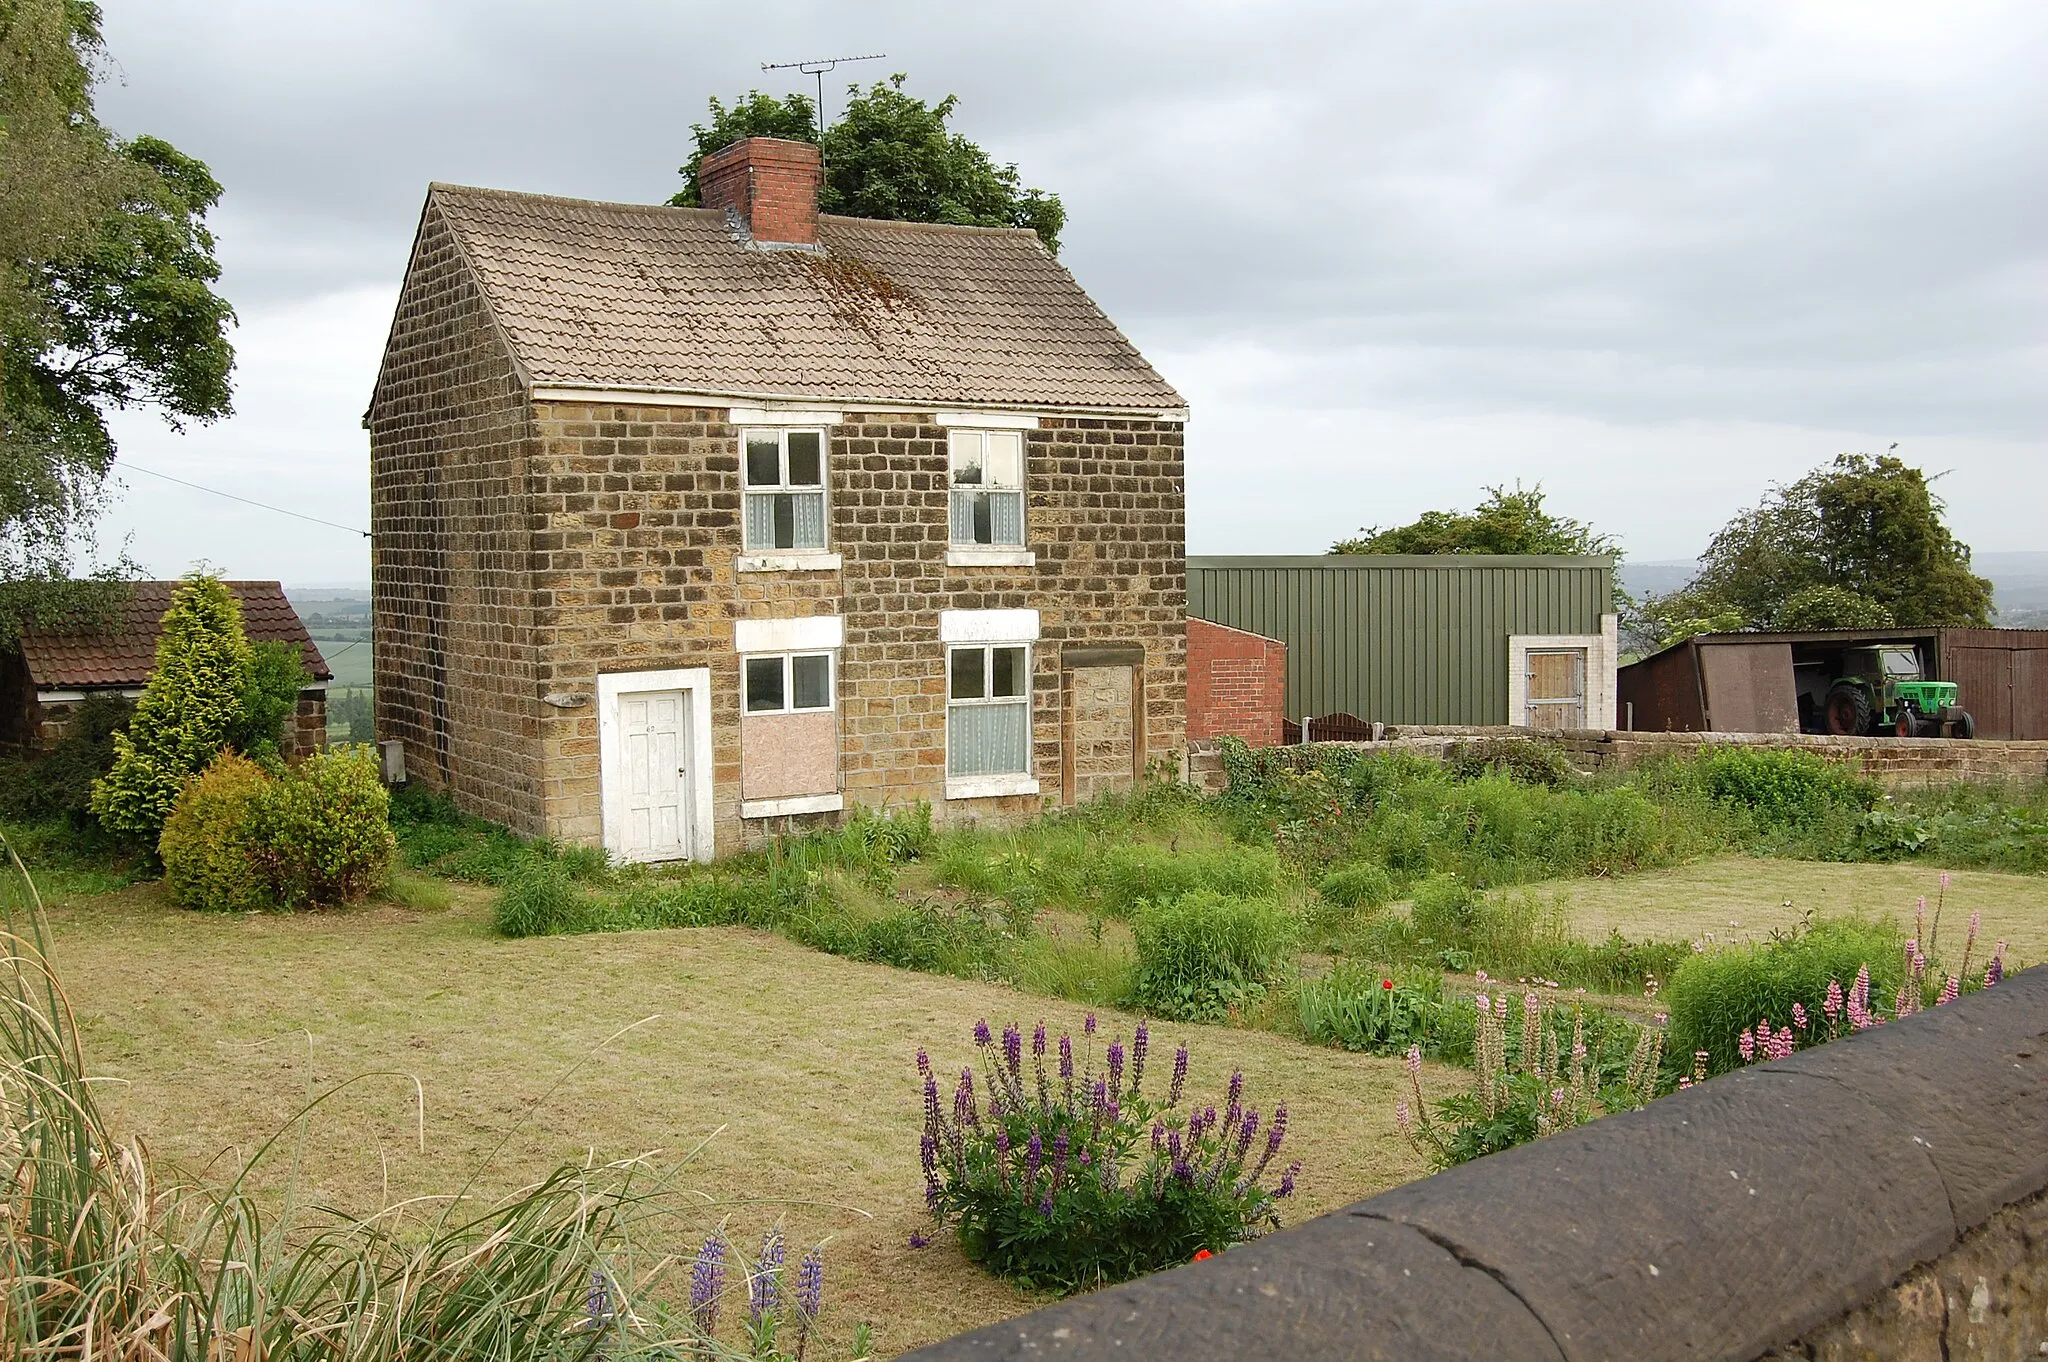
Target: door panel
(1557,688)
(653,743)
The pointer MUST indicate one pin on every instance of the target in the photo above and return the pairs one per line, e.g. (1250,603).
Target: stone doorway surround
(695,685)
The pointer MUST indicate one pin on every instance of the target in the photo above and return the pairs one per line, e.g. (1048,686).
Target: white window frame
(749,490)
(789,704)
(972,553)
(995,783)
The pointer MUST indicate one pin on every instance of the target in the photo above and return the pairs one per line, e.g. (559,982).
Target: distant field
(348,655)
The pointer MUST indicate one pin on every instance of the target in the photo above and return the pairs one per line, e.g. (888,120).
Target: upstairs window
(987,478)
(785,489)
(988,711)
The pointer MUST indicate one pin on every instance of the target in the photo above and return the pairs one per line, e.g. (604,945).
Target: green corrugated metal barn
(1454,639)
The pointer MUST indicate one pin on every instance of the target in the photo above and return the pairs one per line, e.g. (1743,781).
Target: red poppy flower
(1200,1254)
(1386,983)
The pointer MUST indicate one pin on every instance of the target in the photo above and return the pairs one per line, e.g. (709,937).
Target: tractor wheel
(1961,724)
(1848,712)
(1907,725)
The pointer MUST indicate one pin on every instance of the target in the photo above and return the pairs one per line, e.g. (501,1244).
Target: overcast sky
(1653,256)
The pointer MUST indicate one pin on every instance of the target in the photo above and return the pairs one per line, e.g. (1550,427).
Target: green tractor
(1883,690)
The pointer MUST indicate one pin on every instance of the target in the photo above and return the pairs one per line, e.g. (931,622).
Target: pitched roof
(613,295)
(125,655)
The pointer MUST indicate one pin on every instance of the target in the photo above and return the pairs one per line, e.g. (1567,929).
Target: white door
(654,751)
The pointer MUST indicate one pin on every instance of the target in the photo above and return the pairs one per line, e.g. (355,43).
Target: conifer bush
(192,704)
(213,845)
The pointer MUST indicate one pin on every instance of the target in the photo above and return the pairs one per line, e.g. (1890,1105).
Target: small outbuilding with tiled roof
(691,525)
(49,672)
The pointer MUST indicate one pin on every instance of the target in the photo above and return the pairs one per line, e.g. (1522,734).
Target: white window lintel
(789,416)
(986,420)
(988,626)
(806,634)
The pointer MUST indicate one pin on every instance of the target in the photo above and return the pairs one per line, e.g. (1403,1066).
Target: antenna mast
(818,66)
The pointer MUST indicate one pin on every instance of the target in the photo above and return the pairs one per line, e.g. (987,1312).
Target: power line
(263,506)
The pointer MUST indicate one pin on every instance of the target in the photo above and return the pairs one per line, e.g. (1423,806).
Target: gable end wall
(450,439)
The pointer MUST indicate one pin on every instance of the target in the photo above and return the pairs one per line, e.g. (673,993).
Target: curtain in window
(988,740)
(984,517)
(786,520)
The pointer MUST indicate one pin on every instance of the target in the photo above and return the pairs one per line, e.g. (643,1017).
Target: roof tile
(636,296)
(126,654)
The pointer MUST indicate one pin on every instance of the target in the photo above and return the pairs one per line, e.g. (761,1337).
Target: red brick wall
(1237,684)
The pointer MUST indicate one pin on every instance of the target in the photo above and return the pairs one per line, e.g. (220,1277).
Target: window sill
(978,556)
(801,561)
(989,787)
(777,808)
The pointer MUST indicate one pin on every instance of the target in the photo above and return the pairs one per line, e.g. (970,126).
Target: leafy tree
(191,707)
(1858,543)
(270,697)
(889,155)
(106,297)
(1506,522)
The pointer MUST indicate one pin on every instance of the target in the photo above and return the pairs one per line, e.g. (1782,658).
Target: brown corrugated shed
(125,655)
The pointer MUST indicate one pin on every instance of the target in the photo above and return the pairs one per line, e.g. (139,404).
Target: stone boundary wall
(1900,763)
(1878,1197)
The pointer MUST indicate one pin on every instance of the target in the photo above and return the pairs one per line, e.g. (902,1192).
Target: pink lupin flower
(1950,991)
(1944,879)
(1747,1045)
(1831,1006)
(1414,1061)
(1403,1119)
(1799,1016)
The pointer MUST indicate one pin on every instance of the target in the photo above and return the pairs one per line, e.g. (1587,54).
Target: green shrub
(1782,787)
(240,838)
(1715,996)
(1202,953)
(1362,1009)
(58,783)
(1078,1177)
(329,827)
(1125,876)
(1444,909)
(270,697)
(1358,888)
(192,703)
(1532,761)
(215,845)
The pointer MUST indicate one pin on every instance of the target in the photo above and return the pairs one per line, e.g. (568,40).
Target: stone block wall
(1898,763)
(452,583)
(1237,684)
(1879,1197)
(636,536)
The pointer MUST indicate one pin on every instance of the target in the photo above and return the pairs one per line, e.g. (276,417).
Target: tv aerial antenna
(819,66)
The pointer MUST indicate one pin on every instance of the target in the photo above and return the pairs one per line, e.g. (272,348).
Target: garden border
(1702,1226)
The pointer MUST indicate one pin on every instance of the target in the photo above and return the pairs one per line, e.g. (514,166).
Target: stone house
(697,525)
(49,673)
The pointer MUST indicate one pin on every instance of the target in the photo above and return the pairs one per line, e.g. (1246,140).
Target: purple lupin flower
(931,1102)
(1098,1096)
(928,1158)
(1061,1143)
(1038,1040)
(1994,973)
(1158,1135)
(1045,1204)
(1141,1040)
(1246,1133)
(764,1283)
(924,1062)
(1274,1135)
(1180,1076)
(810,1293)
(963,1099)
(919,1239)
(1034,1155)
(1173,1145)
(1013,1050)
(1088,1024)
(1116,1064)
(1235,1093)
(707,1285)
(981,1033)
(1286,1187)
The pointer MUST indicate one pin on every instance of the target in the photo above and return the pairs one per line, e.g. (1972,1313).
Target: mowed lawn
(1741,899)
(792,1069)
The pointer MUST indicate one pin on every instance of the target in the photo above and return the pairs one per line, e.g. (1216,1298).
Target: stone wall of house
(1237,684)
(637,529)
(450,437)
(1898,763)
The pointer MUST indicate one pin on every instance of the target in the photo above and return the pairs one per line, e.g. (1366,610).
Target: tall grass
(101,1256)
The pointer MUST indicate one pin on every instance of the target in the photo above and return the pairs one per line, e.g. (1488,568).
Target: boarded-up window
(789,726)
(1557,688)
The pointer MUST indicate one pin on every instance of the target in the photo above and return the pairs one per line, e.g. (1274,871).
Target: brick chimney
(771,182)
